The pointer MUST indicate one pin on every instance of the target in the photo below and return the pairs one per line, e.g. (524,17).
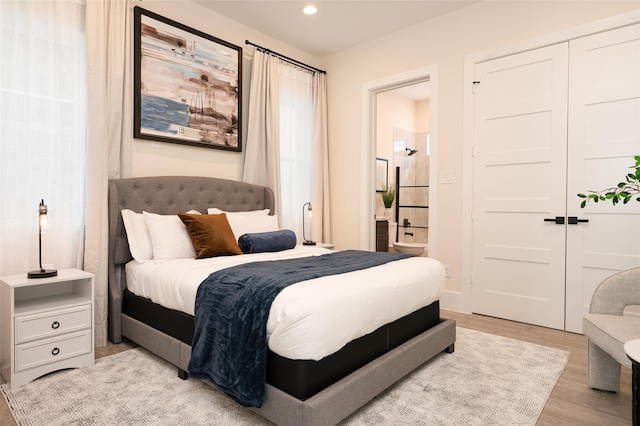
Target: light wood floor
(572,402)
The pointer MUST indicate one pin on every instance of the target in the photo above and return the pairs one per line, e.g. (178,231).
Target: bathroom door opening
(368,150)
(402,136)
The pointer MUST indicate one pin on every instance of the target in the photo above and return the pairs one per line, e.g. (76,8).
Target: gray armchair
(607,330)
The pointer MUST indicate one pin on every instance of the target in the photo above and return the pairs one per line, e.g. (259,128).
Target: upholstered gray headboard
(167,195)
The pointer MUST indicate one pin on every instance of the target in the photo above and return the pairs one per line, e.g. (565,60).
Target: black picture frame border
(137,103)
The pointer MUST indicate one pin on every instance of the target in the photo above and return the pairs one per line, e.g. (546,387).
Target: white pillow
(138,235)
(265,212)
(169,237)
(246,224)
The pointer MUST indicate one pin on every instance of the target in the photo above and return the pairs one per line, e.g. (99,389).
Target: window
(296,144)
(42,132)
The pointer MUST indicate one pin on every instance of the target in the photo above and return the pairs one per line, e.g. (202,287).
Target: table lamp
(42,223)
(308,207)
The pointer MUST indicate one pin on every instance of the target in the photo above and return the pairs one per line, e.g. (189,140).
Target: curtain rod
(286,58)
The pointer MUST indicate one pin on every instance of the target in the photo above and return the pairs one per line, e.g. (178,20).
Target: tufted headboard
(167,195)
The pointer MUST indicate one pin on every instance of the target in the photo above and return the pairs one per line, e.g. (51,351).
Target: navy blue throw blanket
(229,345)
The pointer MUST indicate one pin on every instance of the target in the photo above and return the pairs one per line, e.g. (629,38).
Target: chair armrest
(616,292)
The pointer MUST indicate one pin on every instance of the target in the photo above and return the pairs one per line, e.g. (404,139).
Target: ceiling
(338,25)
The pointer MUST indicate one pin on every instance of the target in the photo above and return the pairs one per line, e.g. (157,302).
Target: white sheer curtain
(108,148)
(42,132)
(296,145)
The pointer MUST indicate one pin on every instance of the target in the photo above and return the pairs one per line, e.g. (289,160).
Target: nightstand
(47,324)
(382,235)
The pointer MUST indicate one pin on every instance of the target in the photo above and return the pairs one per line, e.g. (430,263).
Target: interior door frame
(463,301)
(368,149)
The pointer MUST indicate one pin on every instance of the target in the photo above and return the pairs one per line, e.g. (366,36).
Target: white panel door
(519,181)
(604,135)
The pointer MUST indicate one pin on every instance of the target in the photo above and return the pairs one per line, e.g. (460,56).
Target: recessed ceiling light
(309,10)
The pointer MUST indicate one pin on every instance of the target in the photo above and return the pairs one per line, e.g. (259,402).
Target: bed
(298,391)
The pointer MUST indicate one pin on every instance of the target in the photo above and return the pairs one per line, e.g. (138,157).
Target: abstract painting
(187,85)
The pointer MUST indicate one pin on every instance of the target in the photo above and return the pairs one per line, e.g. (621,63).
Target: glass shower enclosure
(411,157)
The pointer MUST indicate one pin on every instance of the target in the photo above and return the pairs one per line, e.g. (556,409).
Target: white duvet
(310,319)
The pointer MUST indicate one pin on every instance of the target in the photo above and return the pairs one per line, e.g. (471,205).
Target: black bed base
(299,378)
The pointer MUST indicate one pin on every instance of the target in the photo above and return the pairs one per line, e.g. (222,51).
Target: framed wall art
(187,85)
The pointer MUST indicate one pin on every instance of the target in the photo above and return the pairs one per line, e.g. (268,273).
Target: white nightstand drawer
(49,351)
(52,323)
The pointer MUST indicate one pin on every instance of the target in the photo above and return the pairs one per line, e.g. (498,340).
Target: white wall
(444,42)
(423,115)
(175,159)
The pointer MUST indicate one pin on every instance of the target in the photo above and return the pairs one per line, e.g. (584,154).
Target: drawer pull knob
(55,351)
(55,325)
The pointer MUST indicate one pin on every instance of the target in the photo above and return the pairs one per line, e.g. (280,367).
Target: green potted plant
(388,196)
(625,191)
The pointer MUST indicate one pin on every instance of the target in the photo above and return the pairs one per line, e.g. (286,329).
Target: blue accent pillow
(261,242)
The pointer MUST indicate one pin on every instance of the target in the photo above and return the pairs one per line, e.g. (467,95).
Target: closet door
(604,135)
(520,187)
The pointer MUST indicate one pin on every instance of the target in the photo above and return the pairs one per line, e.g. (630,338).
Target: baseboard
(452,301)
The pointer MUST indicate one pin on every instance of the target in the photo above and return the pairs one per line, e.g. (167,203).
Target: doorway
(402,143)
(406,84)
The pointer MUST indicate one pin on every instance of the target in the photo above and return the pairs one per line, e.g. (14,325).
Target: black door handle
(573,220)
(559,220)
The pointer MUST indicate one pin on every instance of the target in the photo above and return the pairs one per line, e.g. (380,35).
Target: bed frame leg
(450,349)
(184,375)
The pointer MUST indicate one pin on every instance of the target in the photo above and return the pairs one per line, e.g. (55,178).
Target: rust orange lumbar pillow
(210,234)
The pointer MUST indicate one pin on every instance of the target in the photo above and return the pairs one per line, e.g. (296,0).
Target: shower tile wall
(414,172)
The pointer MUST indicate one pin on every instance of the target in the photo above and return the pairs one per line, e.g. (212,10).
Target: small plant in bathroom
(388,196)
(624,192)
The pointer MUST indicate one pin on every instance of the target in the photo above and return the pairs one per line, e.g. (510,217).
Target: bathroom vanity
(382,235)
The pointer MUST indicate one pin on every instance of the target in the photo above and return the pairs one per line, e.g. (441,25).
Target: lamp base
(42,273)
(309,243)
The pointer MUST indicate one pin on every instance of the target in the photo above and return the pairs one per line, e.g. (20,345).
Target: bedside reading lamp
(42,223)
(304,237)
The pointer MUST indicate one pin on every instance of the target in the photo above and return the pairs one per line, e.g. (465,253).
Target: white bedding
(307,320)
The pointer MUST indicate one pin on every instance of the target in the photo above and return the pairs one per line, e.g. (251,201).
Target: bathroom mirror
(382,173)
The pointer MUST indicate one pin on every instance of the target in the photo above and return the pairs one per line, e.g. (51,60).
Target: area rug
(488,380)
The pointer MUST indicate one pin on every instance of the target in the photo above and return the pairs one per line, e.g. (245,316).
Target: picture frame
(187,85)
(382,174)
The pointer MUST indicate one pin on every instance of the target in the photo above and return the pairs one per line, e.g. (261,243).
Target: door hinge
(474,84)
